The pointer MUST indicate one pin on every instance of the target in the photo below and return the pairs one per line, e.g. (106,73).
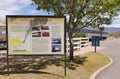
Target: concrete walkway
(112,49)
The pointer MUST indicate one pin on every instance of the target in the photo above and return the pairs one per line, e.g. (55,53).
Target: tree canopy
(81,13)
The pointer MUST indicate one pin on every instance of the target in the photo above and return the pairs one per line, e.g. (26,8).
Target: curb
(93,76)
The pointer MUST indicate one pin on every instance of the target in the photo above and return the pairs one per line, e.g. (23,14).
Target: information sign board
(35,35)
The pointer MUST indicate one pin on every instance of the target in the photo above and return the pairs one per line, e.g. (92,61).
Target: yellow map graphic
(16,42)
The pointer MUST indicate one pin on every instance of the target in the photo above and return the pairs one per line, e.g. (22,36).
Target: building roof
(88,28)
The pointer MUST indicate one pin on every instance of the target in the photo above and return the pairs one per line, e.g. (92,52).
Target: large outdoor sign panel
(28,35)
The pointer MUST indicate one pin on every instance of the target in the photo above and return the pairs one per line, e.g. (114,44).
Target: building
(3,44)
(89,31)
(2,31)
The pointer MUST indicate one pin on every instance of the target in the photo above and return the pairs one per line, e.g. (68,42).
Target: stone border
(93,76)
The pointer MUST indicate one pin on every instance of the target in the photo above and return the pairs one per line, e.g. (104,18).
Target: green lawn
(82,68)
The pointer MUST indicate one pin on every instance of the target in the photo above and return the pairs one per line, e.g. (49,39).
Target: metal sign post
(7,58)
(65,49)
(8,65)
(95,47)
(65,66)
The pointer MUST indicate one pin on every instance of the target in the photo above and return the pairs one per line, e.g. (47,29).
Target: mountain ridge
(112,29)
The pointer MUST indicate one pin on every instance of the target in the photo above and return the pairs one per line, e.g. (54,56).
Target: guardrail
(77,43)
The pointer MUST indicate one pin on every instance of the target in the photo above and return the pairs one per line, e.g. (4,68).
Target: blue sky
(18,7)
(24,7)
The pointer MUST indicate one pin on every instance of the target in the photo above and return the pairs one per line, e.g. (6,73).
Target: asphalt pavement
(112,49)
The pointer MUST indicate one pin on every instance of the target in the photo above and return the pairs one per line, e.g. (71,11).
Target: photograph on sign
(29,35)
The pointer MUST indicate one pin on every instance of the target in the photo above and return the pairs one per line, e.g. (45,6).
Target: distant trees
(116,35)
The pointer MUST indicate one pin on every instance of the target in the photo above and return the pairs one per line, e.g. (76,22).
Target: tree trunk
(70,35)
(101,35)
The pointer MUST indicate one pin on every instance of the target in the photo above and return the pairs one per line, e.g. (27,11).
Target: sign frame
(35,16)
(95,41)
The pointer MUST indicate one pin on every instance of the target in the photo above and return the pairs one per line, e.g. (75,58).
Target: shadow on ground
(26,65)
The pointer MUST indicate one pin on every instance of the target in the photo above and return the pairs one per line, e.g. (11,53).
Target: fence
(3,48)
(77,43)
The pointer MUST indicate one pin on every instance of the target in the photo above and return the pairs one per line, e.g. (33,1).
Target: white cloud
(4,12)
(113,25)
(11,7)
(34,12)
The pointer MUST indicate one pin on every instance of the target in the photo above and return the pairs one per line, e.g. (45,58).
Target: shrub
(79,34)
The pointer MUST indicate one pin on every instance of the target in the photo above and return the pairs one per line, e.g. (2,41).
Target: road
(112,49)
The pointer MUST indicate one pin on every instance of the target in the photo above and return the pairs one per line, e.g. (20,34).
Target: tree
(101,31)
(81,13)
(110,34)
(116,35)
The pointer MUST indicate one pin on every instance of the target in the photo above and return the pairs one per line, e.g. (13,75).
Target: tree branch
(88,23)
(81,10)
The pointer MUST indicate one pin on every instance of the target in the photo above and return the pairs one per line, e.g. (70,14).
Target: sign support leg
(65,66)
(7,64)
(95,46)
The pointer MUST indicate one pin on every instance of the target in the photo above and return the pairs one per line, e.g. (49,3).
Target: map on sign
(17,42)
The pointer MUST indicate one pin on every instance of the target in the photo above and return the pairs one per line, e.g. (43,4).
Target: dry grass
(83,70)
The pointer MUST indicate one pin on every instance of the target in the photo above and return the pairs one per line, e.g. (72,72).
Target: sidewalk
(87,49)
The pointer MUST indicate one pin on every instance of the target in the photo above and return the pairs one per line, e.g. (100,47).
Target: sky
(18,7)
(24,7)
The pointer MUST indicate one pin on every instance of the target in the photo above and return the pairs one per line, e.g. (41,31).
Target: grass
(81,68)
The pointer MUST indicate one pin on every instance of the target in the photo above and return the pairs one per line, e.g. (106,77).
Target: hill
(112,29)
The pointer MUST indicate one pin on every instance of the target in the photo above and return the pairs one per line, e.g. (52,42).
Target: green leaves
(101,29)
(82,11)
(79,34)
